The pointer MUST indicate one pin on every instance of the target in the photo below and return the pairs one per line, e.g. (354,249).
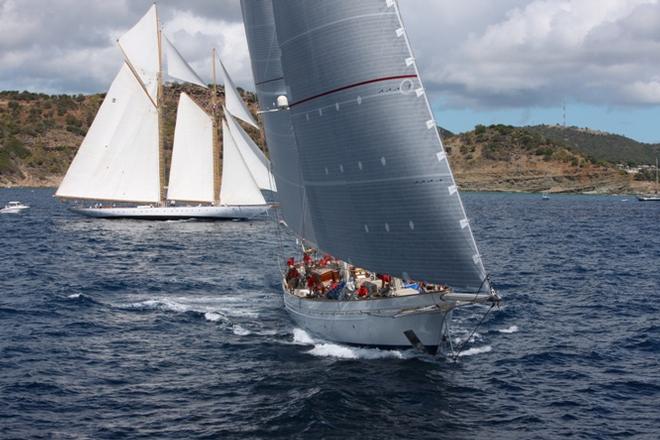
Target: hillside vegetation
(601,146)
(40,134)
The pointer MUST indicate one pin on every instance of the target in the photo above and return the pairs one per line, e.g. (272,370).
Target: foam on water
(240,331)
(476,350)
(512,329)
(74,295)
(329,349)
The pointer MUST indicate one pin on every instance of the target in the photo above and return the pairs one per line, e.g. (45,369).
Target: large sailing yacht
(120,165)
(363,179)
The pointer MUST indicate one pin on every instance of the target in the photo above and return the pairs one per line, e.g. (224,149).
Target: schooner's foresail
(118,159)
(233,101)
(191,171)
(178,67)
(269,81)
(238,185)
(254,158)
(379,188)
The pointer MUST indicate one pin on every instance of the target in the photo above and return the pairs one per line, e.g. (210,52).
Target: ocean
(176,330)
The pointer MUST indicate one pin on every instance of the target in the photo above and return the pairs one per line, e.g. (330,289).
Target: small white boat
(545,196)
(14,207)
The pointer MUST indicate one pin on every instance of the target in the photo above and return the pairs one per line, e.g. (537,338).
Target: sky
(482,61)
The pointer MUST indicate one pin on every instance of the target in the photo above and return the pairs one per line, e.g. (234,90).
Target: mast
(160,99)
(217,164)
(656,175)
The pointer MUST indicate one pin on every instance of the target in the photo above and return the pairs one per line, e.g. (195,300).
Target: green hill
(601,146)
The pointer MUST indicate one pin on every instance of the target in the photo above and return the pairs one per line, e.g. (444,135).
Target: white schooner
(120,166)
(363,178)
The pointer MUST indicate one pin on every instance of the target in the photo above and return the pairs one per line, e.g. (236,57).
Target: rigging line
(460,349)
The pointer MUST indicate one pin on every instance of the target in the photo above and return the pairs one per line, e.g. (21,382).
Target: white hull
(12,210)
(649,198)
(379,322)
(175,212)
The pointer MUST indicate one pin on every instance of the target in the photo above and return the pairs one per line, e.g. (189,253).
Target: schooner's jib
(360,167)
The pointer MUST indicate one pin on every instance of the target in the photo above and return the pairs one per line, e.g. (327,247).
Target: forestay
(178,67)
(238,186)
(233,100)
(269,82)
(255,159)
(140,46)
(191,172)
(118,159)
(380,190)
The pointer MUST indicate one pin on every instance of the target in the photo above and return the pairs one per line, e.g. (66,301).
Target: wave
(476,350)
(512,329)
(240,331)
(338,351)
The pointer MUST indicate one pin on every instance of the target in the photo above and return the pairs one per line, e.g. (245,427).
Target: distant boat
(14,207)
(655,197)
(363,178)
(120,166)
(545,196)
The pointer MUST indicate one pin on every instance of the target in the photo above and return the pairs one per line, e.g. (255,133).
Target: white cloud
(472,54)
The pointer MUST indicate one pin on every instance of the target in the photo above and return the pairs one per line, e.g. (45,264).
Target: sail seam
(269,81)
(351,86)
(318,28)
(383,180)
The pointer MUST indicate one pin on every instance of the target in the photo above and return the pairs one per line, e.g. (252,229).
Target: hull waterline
(175,213)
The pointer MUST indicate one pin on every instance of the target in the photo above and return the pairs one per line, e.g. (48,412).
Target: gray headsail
(267,70)
(373,171)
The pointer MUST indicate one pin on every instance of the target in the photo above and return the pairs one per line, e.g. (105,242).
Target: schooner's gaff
(360,167)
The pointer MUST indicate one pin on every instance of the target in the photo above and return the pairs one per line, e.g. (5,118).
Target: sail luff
(442,147)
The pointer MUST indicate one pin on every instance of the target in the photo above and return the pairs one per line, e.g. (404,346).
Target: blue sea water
(128,329)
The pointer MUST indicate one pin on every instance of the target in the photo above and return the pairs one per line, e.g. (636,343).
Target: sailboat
(655,197)
(364,183)
(120,165)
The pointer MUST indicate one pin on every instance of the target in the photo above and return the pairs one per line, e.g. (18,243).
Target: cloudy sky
(482,61)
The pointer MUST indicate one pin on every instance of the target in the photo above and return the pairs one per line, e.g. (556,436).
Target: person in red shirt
(292,277)
(362,291)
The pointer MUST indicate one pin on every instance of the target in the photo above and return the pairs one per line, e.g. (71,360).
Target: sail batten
(191,172)
(375,187)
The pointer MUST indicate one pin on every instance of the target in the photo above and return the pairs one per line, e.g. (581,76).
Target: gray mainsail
(372,169)
(269,80)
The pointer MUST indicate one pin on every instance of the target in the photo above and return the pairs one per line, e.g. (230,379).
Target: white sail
(191,172)
(238,185)
(233,100)
(118,159)
(255,159)
(141,48)
(178,67)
